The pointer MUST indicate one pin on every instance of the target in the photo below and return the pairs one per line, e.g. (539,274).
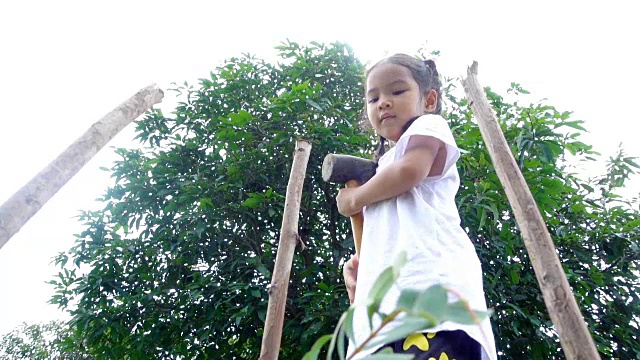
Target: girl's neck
(381,150)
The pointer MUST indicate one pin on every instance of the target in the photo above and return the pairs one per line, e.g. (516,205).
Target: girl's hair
(424,72)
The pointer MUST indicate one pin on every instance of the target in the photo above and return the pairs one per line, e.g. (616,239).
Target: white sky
(64,64)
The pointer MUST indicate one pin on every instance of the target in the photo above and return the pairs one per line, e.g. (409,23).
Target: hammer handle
(357,221)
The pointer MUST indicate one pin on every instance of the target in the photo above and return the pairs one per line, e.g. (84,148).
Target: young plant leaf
(348,323)
(432,301)
(386,279)
(459,313)
(407,299)
(381,286)
(399,262)
(340,337)
(336,333)
(408,326)
(317,346)
(346,329)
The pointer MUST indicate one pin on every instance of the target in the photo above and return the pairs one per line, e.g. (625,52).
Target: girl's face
(393,98)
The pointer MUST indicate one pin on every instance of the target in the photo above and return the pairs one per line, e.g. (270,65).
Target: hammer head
(342,168)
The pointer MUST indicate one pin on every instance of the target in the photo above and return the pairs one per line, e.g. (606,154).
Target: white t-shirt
(424,222)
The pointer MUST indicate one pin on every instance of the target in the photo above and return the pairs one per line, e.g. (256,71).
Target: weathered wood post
(564,312)
(27,201)
(284,259)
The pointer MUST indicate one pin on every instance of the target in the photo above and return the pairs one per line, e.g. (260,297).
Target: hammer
(352,171)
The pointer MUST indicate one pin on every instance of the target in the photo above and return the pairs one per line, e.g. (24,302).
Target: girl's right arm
(395,179)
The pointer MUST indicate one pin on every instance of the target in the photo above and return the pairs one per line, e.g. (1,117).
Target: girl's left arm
(396,179)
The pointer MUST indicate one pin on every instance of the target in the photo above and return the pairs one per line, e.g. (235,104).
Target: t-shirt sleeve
(431,125)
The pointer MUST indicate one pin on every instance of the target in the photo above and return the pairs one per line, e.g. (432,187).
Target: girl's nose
(384,102)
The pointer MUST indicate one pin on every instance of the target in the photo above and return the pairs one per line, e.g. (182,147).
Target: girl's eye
(373,100)
(399,92)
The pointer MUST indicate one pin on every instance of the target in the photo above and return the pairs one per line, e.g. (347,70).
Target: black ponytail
(380,150)
(432,82)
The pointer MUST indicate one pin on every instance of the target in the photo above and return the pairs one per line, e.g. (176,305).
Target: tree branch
(561,304)
(284,258)
(27,201)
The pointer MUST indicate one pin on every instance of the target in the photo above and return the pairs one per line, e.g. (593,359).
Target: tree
(180,256)
(178,260)
(41,342)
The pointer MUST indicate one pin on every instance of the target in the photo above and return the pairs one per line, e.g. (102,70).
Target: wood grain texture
(564,312)
(289,238)
(27,201)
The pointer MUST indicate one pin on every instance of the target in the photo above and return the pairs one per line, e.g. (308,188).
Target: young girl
(409,205)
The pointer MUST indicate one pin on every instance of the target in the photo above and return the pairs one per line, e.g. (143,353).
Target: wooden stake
(27,201)
(284,258)
(564,312)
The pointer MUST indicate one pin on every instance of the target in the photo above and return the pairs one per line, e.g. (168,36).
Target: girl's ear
(430,101)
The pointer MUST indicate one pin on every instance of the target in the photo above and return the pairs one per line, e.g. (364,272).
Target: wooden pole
(284,258)
(27,201)
(564,312)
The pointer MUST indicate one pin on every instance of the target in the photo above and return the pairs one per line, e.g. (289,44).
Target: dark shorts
(443,345)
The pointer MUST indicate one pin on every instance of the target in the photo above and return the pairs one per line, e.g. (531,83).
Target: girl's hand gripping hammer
(352,171)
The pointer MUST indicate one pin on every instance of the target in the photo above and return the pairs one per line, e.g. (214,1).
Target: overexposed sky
(64,64)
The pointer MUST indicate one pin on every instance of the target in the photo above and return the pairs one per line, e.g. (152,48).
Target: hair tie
(431,65)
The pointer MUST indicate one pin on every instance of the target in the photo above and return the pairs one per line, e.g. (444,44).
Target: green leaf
(336,334)
(458,312)
(381,286)
(483,217)
(630,161)
(409,325)
(317,346)
(314,104)
(252,202)
(547,155)
(348,323)
(341,341)
(399,262)
(245,115)
(407,299)
(515,277)
(323,287)
(632,224)
(574,124)
(371,310)
(432,301)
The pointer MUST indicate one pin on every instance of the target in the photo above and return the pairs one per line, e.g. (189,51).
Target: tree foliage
(181,255)
(41,342)
(178,262)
